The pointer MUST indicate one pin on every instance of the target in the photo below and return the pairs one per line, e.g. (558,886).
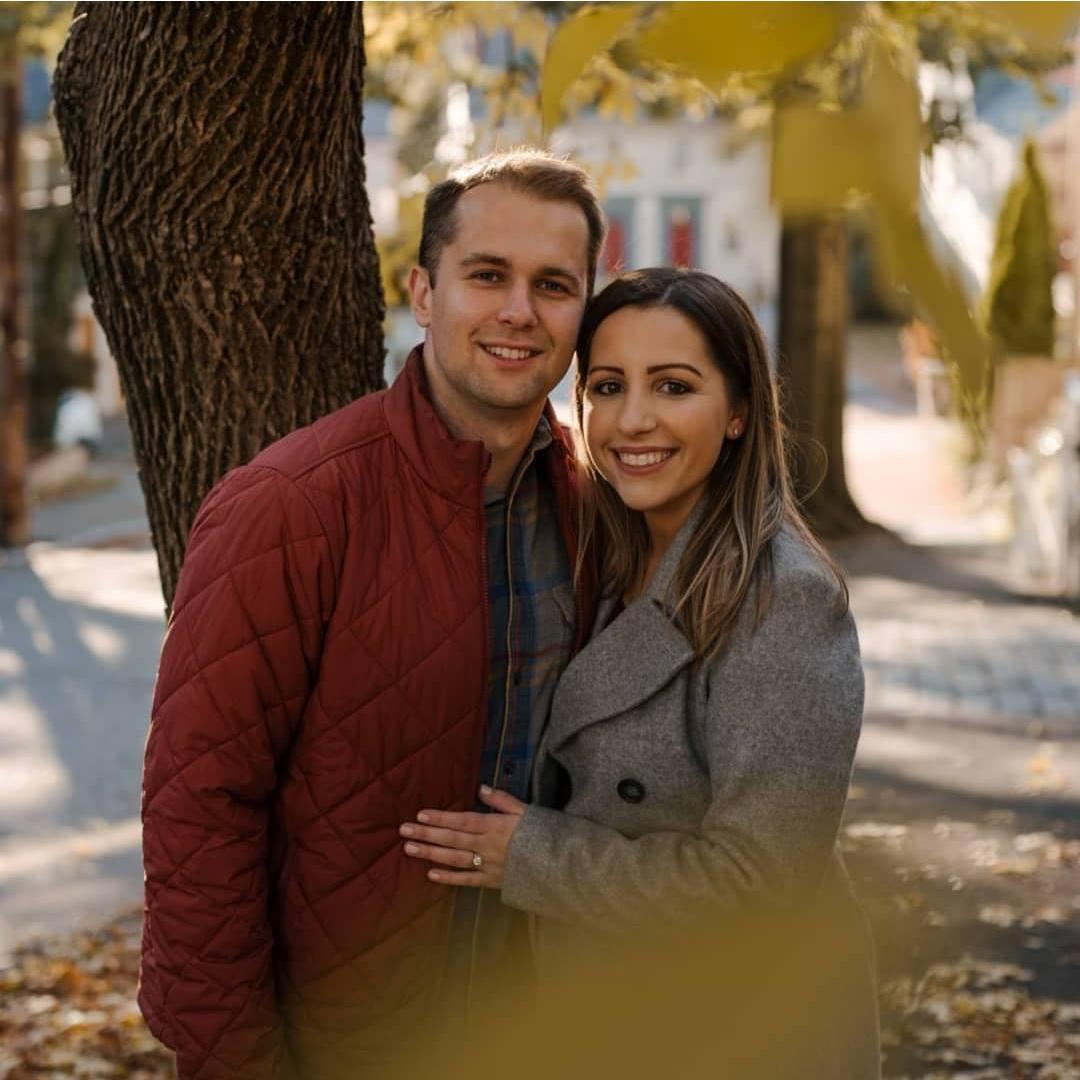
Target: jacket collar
(627,662)
(454,467)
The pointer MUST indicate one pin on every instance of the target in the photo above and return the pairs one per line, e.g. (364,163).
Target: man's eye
(553,286)
(485,275)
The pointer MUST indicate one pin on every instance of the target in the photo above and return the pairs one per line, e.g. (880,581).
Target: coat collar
(627,662)
(454,467)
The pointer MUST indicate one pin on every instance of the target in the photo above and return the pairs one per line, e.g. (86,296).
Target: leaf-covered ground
(976,923)
(67,1009)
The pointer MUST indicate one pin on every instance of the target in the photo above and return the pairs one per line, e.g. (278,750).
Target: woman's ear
(737,423)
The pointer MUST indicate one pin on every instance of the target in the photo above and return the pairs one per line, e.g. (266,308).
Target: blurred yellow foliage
(716,40)
(847,125)
(592,31)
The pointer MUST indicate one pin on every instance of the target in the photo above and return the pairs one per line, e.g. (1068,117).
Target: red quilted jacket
(324,676)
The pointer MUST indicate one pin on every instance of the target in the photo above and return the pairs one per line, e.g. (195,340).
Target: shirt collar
(541,440)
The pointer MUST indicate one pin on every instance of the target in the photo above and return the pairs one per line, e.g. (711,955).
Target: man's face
(502,318)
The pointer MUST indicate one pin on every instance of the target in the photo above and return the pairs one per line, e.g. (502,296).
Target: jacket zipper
(564,510)
(506,704)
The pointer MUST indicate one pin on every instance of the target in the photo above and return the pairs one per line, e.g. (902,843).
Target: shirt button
(631,791)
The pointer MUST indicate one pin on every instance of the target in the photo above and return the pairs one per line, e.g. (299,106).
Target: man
(370,620)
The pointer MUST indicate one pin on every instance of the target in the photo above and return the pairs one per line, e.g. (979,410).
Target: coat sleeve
(234,677)
(782,722)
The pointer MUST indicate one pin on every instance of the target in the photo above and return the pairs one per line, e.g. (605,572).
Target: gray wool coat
(716,785)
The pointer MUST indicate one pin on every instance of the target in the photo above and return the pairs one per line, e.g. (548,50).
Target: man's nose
(517,309)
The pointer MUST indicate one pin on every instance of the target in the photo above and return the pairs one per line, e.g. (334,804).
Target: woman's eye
(605,388)
(675,387)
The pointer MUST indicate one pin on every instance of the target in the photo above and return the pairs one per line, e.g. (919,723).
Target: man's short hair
(533,172)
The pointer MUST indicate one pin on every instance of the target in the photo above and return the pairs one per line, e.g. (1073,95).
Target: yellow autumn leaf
(711,41)
(1044,24)
(590,31)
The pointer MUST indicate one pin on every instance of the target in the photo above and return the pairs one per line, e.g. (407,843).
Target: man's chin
(516,399)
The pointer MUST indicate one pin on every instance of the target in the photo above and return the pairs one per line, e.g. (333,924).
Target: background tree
(217,175)
(14,511)
(38,360)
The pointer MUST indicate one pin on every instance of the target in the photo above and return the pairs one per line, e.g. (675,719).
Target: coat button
(632,791)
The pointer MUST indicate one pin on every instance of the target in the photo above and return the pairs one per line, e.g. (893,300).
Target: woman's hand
(451,840)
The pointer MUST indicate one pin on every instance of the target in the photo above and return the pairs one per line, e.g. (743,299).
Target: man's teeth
(509,354)
(641,460)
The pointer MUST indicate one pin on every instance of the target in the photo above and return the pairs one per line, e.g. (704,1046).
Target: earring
(734,431)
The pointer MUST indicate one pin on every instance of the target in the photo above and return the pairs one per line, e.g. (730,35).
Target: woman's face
(656,412)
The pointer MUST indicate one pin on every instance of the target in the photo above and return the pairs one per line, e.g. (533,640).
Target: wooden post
(14,510)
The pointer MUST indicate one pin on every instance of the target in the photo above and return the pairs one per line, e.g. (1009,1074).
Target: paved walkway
(969,679)
(973,690)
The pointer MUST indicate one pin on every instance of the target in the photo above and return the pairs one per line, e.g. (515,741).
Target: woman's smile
(639,461)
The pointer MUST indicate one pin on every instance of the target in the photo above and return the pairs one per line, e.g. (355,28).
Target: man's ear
(420,295)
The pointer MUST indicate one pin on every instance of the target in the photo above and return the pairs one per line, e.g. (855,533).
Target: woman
(708,728)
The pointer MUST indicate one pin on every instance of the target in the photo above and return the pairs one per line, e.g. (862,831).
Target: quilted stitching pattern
(322,678)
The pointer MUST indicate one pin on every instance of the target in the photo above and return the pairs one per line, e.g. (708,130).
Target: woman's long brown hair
(749,495)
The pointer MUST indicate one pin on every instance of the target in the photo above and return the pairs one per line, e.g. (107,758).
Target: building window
(681,219)
(618,252)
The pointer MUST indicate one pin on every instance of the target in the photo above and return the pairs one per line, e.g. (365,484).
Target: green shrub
(1019,306)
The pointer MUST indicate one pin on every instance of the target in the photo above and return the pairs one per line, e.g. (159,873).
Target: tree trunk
(813,351)
(217,170)
(14,512)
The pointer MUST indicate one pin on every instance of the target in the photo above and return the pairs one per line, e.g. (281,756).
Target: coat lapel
(626,663)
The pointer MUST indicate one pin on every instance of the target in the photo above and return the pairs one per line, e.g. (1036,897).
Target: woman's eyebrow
(604,367)
(665,367)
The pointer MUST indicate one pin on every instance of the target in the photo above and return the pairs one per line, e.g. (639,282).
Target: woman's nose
(637,414)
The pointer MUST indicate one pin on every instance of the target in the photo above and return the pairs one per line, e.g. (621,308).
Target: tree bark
(813,353)
(217,171)
(14,511)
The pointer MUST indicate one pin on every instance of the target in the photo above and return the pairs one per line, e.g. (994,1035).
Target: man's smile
(510,352)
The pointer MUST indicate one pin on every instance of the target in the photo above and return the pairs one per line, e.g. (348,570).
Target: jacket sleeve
(782,722)
(235,674)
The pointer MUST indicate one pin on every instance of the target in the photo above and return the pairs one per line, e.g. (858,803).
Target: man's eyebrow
(483,257)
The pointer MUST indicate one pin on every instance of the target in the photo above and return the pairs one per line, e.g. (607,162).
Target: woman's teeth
(641,460)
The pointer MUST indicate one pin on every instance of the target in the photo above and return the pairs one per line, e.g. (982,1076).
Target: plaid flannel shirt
(531,613)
